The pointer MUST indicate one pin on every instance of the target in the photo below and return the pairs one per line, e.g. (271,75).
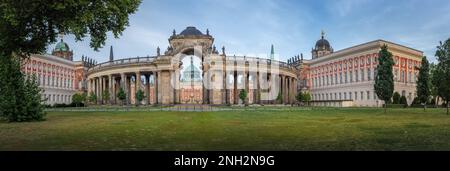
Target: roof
(191,31)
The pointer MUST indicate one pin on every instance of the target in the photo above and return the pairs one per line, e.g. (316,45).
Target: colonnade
(163,92)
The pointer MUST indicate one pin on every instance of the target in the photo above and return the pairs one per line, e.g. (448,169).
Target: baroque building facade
(57,74)
(342,78)
(347,77)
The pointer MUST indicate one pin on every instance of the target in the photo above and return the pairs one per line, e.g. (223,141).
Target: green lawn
(318,129)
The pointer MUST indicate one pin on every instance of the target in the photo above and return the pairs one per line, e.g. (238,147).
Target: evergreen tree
(442,73)
(243,96)
(423,83)
(121,95)
(77,99)
(306,97)
(93,98)
(20,97)
(105,96)
(299,96)
(139,97)
(404,101)
(384,81)
(396,98)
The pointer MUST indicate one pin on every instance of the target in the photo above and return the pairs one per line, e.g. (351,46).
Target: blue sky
(249,27)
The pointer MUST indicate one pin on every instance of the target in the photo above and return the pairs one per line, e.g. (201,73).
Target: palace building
(193,71)
(347,77)
(57,74)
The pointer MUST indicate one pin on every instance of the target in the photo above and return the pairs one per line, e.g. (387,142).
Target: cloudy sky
(249,27)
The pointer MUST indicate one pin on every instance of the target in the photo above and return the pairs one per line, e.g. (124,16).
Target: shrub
(396,98)
(403,101)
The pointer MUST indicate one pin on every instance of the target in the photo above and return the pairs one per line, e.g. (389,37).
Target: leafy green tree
(77,99)
(139,97)
(442,75)
(28,27)
(306,97)
(243,96)
(384,81)
(121,95)
(396,98)
(423,83)
(93,98)
(403,101)
(105,96)
(299,96)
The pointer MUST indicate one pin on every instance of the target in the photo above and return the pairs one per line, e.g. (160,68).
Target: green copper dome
(62,46)
(191,73)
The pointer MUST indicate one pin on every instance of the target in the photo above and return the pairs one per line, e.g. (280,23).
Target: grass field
(317,129)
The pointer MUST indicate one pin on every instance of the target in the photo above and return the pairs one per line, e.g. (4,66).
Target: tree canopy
(30,26)
(442,72)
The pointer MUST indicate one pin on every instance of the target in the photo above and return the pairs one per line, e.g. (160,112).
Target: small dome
(323,44)
(62,46)
(191,31)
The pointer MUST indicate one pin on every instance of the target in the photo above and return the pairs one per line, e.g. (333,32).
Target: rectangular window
(356,95)
(362,95)
(350,94)
(362,75)
(369,73)
(368,95)
(351,76)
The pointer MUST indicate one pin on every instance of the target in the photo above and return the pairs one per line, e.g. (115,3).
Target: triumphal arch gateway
(192,71)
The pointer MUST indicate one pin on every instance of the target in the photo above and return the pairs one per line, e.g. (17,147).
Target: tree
(139,97)
(121,95)
(20,95)
(423,83)
(384,80)
(433,82)
(299,96)
(307,97)
(243,96)
(105,96)
(442,73)
(403,101)
(396,98)
(93,98)
(28,27)
(77,99)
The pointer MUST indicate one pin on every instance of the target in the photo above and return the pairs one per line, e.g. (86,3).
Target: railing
(124,62)
(151,59)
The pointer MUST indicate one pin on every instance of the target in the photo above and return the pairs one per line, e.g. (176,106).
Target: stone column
(97,89)
(114,90)
(147,89)
(247,86)
(137,86)
(156,94)
(89,84)
(110,89)
(258,88)
(235,89)
(122,84)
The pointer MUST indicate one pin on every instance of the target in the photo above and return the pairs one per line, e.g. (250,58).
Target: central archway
(190,79)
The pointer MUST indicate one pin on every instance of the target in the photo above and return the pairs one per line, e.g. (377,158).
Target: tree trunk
(385,107)
(447,107)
